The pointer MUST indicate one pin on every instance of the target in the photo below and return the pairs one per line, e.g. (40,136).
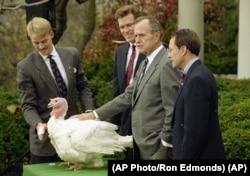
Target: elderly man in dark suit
(126,53)
(37,84)
(196,129)
(151,95)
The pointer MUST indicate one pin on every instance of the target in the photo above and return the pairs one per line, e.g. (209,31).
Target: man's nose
(40,45)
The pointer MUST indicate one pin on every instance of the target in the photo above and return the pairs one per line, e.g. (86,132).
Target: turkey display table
(53,169)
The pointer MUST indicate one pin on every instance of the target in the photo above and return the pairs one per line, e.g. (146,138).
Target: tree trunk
(80,24)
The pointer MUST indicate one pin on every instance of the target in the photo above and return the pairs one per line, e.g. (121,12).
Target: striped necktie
(181,80)
(141,75)
(130,67)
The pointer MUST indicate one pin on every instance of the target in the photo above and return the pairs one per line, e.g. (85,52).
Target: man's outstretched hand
(84,116)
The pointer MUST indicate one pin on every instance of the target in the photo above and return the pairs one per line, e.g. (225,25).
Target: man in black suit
(196,129)
(37,84)
(125,16)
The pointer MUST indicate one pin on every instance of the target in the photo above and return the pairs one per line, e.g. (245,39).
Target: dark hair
(127,9)
(188,38)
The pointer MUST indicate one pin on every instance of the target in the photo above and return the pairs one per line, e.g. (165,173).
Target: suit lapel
(44,73)
(141,57)
(195,64)
(122,65)
(150,71)
(66,60)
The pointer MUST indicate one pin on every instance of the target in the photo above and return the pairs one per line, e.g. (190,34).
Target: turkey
(83,144)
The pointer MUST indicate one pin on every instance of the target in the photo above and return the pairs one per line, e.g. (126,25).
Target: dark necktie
(129,71)
(141,75)
(181,81)
(58,77)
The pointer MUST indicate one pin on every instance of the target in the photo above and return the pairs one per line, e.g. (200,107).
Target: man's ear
(52,34)
(184,50)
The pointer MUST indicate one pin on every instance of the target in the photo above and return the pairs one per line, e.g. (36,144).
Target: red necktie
(182,76)
(129,71)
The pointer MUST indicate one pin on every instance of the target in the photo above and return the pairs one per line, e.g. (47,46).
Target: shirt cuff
(96,116)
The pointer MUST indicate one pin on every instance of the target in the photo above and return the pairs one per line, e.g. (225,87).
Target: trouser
(34,159)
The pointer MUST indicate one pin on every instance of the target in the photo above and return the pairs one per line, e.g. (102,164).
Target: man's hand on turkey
(84,116)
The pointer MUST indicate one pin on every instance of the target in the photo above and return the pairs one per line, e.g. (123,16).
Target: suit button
(182,124)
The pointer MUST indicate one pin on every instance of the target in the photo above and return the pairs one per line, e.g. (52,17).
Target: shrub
(13,132)
(223,61)
(234,114)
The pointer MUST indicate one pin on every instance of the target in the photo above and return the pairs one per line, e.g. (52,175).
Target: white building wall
(191,15)
(244,40)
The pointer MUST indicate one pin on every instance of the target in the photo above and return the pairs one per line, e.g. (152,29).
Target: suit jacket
(152,107)
(196,129)
(36,86)
(123,119)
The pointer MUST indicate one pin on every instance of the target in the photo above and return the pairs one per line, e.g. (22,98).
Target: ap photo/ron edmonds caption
(174,167)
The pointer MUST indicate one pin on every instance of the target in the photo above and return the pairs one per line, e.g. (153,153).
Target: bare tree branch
(10,5)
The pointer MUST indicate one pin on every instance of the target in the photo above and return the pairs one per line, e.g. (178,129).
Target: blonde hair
(38,27)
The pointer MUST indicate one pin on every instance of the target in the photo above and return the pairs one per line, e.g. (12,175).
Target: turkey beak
(50,105)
